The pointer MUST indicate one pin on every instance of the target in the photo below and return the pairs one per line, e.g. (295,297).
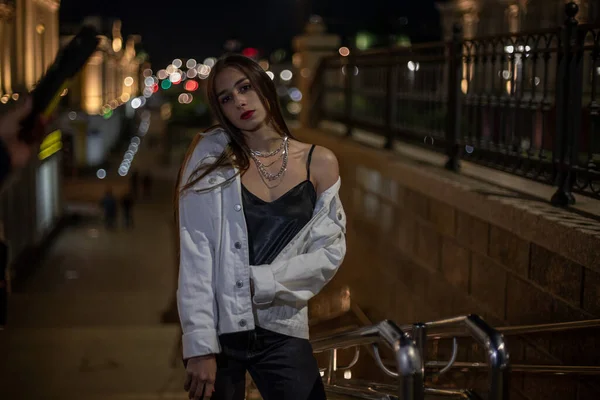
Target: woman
(261,231)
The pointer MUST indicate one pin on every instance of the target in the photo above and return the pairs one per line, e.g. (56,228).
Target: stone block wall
(426,244)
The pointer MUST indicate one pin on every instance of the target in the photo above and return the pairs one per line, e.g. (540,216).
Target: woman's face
(238,100)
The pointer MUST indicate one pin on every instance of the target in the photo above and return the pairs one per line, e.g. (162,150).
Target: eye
(225,99)
(245,88)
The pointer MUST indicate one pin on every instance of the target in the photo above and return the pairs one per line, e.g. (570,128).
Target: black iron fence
(524,103)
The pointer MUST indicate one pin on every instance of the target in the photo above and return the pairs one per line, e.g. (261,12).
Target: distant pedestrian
(109,206)
(134,183)
(147,185)
(127,206)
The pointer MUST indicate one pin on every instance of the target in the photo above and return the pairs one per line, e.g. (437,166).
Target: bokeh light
(286,75)
(295,94)
(344,51)
(191,63)
(210,62)
(136,103)
(191,86)
(192,73)
(162,74)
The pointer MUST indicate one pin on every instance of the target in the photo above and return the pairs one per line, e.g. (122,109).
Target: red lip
(247,115)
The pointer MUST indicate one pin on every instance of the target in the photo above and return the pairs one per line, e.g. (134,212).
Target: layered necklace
(282,150)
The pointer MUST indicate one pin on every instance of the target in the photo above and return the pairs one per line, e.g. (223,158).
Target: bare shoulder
(325,168)
(322,157)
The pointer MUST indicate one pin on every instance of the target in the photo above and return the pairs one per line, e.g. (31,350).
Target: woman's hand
(201,374)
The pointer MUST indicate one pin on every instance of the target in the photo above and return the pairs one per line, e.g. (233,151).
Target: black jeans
(282,367)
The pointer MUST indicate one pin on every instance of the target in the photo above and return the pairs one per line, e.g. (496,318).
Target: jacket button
(239,284)
(237,245)
(212,180)
(242,323)
(237,207)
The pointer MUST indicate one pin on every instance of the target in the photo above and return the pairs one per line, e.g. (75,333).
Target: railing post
(568,110)
(390,100)
(497,353)
(419,336)
(453,118)
(348,93)
(330,379)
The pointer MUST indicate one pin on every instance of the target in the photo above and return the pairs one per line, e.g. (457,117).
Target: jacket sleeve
(195,294)
(301,277)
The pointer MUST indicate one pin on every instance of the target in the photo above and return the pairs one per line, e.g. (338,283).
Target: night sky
(199,28)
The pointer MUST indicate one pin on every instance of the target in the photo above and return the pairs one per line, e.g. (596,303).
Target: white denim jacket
(213,294)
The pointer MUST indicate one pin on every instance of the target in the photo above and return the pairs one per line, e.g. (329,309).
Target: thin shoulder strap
(308,162)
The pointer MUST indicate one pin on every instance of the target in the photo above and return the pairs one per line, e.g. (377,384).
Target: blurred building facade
(490,17)
(30,203)
(96,107)
(311,47)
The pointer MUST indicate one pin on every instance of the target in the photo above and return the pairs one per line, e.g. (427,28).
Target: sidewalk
(87,324)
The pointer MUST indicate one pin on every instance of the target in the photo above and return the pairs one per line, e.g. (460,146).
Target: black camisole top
(272,225)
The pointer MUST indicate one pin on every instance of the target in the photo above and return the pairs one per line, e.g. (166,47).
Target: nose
(240,100)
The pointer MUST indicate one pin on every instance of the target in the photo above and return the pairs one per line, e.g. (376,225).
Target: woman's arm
(302,277)
(195,295)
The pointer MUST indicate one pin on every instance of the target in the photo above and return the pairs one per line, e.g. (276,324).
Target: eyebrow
(237,83)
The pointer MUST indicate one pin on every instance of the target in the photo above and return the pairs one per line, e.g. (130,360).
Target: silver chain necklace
(257,153)
(263,170)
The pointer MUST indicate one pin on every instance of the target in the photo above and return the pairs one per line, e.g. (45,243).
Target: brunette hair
(236,152)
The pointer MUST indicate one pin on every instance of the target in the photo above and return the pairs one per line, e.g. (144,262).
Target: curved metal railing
(409,364)
(527,330)
(475,327)
(465,326)
(410,356)
(381,391)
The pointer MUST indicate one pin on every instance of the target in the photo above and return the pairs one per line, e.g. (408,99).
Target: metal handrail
(358,388)
(452,358)
(355,392)
(464,326)
(353,362)
(514,330)
(408,359)
(463,394)
(555,327)
(477,328)
(528,368)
